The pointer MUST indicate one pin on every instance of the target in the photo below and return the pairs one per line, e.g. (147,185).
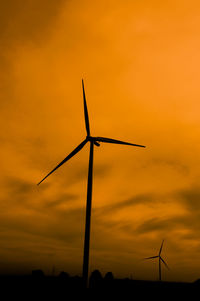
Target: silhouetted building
(38,274)
(96,279)
(63,275)
(109,276)
(109,280)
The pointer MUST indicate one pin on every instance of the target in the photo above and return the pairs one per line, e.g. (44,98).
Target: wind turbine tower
(160,260)
(92,141)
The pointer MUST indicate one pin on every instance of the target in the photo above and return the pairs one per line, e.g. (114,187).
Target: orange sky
(140,62)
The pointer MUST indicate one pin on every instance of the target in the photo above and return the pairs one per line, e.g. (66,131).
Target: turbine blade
(151,257)
(96,143)
(164,263)
(109,140)
(161,247)
(74,152)
(87,125)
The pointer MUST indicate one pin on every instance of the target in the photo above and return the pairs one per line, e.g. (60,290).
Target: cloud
(21,214)
(160,225)
(125,204)
(18,186)
(63,198)
(191,198)
(22,23)
(26,20)
(80,172)
(26,211)
(166,161)
(186,226)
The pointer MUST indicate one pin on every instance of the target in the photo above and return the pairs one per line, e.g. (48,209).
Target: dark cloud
(176,164)
(138,199)
(177,228)
(80,173)
(26,19)
(18,186)
(21,192)
(18,192)
(65,225)
(188,198)
(156,224)
(22,22)
(65,197)
(191,198)
(101,169)
(42,218)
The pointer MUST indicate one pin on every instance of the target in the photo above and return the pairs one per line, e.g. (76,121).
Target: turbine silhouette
(160,259)
(93,141)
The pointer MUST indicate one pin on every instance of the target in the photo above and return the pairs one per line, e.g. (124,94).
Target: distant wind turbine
(160,259)
(93,141)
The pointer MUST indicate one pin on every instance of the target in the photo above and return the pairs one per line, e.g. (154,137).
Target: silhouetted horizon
(109,274)
(48,284)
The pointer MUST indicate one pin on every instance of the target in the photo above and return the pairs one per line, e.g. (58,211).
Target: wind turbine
(93,141)
(160,259)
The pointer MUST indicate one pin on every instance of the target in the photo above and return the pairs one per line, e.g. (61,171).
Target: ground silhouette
(60,285)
